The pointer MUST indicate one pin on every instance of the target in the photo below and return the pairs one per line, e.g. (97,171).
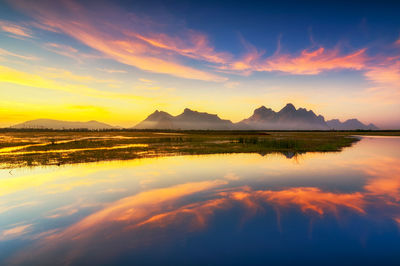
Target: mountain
(263,118)
(157,120)
(58,124)
(196,120)
(188,120)
(351,124)
(288,118)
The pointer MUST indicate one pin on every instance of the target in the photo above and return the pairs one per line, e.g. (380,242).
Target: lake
(227,209)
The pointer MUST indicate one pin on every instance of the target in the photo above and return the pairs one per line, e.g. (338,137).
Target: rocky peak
(288,108)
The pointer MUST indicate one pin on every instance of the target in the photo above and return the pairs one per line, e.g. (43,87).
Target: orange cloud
(313,199)
(15,29)
(306,198)
(386,178)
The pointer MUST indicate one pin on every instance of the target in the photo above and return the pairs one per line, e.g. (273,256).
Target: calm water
(315,208)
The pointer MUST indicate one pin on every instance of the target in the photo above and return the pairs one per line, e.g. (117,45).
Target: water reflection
(321,208)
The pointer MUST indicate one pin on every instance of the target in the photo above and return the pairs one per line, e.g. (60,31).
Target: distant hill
(59,124)
(263,118)
(189,119)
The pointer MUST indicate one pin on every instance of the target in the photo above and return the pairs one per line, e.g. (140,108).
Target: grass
(67,147)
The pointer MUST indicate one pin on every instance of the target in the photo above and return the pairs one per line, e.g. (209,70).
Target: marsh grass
(107,145)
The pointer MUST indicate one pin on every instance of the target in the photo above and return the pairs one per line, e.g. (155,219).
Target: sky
(119,61)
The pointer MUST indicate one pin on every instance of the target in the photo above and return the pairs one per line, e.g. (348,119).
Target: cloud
(14,29)
(25,57)
(313,199)
(386,74)
(9,207)
(146,80)
(62,47)
(308,62)
(195,45)
(15,231)
(114,38)
(69,209)
(111,71)
(68,51)
(385,181)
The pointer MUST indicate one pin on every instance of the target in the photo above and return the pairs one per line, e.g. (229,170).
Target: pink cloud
(62,47)
(108,34)
(306,63)
(385,76)
(195,45)
(387,73)
(14,29)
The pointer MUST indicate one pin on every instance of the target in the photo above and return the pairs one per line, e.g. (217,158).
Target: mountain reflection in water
(314,208)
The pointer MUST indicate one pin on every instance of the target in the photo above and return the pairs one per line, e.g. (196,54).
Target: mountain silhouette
(263,118)
(189,119)
(59,124)
(288,118)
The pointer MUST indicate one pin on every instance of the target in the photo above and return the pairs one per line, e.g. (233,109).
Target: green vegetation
(31,148)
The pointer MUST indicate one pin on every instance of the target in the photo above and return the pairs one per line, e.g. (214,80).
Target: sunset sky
(118,61)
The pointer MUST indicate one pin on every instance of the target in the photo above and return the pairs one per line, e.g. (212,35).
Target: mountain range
(263,118)
(288,118)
